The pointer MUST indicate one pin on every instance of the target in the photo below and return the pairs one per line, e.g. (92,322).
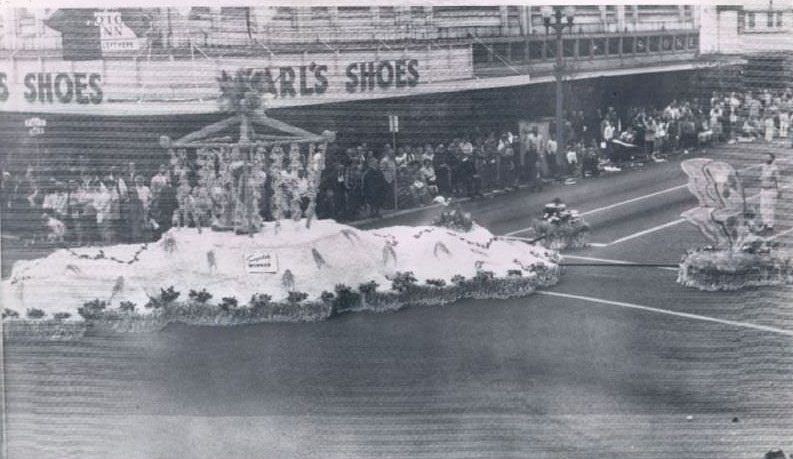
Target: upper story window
(751,21)
(320,13)
(769,19)
(779,19)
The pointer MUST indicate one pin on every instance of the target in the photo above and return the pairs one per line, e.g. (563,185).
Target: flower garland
(101,255)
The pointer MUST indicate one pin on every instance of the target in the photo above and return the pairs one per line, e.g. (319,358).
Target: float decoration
(560,228)
(738,256)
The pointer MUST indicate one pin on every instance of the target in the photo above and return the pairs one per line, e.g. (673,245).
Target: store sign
(35,126)
(29,84)
(114,35)
(261,262)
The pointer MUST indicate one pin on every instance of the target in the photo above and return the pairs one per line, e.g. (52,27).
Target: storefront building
(108,83)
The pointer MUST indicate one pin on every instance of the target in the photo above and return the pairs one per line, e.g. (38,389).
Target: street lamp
(558,18)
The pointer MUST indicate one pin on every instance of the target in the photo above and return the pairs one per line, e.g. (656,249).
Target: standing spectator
(103,203)
(769,192)
(164,205)
(389,170)
(354,188)
(443,170)
(373,187)
(769,128)
(136,219)
(160,180)
(144,194)
(608,137)
(784,123)
(551,152)
(468,176)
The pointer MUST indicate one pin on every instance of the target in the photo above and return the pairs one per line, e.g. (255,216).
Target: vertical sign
(393,123)
(393,128)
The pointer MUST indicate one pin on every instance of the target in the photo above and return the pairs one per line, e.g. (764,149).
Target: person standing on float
(769,191)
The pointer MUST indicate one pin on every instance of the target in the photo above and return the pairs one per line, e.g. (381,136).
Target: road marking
(686,315)
(607,260)
(632,200)
(666,225)
(628,201)
(787,231)
(647,231)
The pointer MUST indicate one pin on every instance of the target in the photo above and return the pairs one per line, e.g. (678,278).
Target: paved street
(614,361)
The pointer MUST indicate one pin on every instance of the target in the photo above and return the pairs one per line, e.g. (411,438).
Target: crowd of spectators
(85,205)
(474,164)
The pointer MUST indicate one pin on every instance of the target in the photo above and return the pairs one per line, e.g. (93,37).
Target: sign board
(393,123)
(35,126)
(261,262)
(114,34)
(29,84)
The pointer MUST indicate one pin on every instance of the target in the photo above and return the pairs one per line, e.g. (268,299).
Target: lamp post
(557,18)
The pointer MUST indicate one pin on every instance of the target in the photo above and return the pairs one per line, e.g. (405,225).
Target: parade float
(560,228)
(229,265)
(739,255)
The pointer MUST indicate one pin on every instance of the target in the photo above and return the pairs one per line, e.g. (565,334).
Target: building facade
(340,68)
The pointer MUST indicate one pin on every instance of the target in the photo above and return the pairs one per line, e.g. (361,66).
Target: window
(693,41)
(516,52)
(770,20)
(641,44)
(354,12)
(481,54)
(387,13)
(680,43)
(655,44)
(550,49)
(584,47)
(198,13)
(568,47)
(417,12)
(614,46)
(321,13)
(751,20)
(535,50)
(284,14)
(627,45)
(598,47)
(779,19)
(500,49)
(666,43)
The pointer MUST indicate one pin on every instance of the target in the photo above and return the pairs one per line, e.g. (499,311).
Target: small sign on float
(261,262)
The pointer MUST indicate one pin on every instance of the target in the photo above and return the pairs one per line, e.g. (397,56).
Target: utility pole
(561,18)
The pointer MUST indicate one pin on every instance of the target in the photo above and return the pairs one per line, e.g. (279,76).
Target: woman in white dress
(769,192)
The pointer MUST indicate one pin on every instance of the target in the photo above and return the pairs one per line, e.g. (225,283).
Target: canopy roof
(255,129)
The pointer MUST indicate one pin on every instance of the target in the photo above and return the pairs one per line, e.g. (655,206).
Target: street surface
(615,361)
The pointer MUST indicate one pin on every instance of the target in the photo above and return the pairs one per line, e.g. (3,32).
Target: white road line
(628,201)
(639,198)
(611,206)
(787,231)
(647,231)
(686,315)
(666,225)
(607,260)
